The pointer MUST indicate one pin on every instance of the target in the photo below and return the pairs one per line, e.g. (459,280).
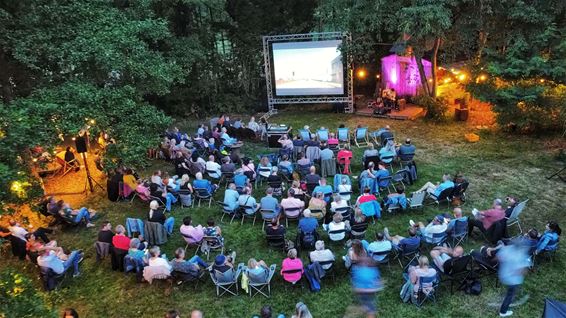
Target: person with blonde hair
(258,269)
(317,203)
(422,270)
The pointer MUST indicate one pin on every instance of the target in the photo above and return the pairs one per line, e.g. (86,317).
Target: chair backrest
(275,240)
(460,188)
(517,210)
(361,133)
(460,265)
(202,193)
(288,213)
(213,241)
(438,237)
(409,249)
(226,277)
(322,134)
(266,214)
(381,256)
(324,263)
(460,228)
(292,271)
(344,134)
(304,134)
(417,198)
(226,208)
(425,281)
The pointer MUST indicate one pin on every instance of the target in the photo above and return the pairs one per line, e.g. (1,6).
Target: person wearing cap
(406,151)
(268,202)
(485,219)
(438,225)
(308,223)
(223,263)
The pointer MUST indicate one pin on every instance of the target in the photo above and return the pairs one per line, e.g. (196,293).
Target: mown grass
(497,166)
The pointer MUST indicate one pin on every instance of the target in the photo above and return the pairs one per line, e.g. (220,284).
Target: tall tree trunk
(482,41)
(424,83)
(434,65)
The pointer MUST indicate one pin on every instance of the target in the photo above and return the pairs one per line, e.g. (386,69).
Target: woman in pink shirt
(332,140)
(292,263)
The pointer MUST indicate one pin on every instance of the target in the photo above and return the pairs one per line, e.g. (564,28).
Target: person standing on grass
(513,264)
(366,282)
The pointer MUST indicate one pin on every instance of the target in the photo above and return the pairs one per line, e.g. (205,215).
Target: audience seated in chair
(275,182)
(338,203)
(321,254)
(224,263)
(308,223)
(436,226)
(192,267)
(366,196)
(292,262)
(431,188)
(231,198)
(200,183)
(444,257)
(398,241)
(291,202)
(325,189)
(161,193)
(312,178)
(344,189)
(387,153)
(379,245)
(358,223)
(369,152)
(268,202)
(213,169)
(457,217)
(485,220)
(355,253)
(317,205)
(416,272)
(247,202)
(549,239)
(406,151)
(156,215)
(337,224)
(275,228)
(54,258)
(212,229)
(286,166)
(191,234)
(258,269)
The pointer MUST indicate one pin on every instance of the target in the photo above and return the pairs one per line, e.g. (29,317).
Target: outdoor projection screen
(308,68)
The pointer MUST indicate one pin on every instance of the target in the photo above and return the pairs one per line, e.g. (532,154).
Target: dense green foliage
(19,297)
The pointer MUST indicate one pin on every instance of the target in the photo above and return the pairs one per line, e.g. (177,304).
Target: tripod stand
(89,180)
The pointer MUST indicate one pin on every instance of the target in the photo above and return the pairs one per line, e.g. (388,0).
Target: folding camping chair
(443,196)
(461,270)
(257,284)
(345,211)
(305,134)
(226,178)
(343,137)
(203,194)
(361,137)
(396,203)
(416,200)
(459,233)
(514,217)
(266,217)
(226,210)
(422,294)
(409,254)
(276,241)
(322,135)
(210,243)
(330,270)
(226,281)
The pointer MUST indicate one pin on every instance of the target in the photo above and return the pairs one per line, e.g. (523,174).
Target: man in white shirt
(156,259)
(320,254)
(213,168)
(435,227)
(156,178)
(16,230)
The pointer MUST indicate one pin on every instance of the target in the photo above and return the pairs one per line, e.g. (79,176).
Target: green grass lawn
(496,166)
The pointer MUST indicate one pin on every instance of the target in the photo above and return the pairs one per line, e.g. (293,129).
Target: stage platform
(409,112)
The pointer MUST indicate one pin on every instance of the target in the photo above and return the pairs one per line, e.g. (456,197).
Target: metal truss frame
(273,100)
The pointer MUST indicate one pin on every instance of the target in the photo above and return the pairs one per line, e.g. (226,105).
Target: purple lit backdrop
(402,74)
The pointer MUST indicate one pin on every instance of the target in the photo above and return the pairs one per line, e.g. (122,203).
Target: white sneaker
(90,225)
(411,223)
(506,314)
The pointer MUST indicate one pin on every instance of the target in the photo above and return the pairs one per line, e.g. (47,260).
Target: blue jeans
(168,224)
(73,260)
(197,260)
(511,290)
(367,300)
(83,213)
(169,199)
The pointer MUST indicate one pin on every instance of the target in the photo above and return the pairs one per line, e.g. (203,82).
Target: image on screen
(308,68)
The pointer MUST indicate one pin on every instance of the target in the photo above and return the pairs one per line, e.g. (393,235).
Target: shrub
(19,298)
(436,108)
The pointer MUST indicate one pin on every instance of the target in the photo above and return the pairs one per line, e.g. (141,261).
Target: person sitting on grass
(445,257)
(436,189)
(321,254)
(292,262)
(48,259)
(137,249)
(436,226)
(200,183)
(317,205)
(191,234)
(379,245)
(77,216)
(191,267)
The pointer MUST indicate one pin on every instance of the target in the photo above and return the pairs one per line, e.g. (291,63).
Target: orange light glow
(361,74)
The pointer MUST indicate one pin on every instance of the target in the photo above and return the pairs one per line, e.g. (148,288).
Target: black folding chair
(461,270)
(276,241)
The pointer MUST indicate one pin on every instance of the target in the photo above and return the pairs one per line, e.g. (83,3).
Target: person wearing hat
(438,225)
(223,263)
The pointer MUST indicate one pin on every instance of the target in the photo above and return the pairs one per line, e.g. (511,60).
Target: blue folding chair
(427,289)
(322,135)
(361,137)
(344,136)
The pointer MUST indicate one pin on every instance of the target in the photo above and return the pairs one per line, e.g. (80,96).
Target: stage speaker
(80,143)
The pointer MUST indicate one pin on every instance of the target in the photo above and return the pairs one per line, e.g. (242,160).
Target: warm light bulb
(361,73)
(92,121)
(462,77)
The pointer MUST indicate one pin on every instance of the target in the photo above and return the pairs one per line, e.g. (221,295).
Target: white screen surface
(308,68)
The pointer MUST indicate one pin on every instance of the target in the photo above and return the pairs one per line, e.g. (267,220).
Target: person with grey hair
(370,152)
(155,258)
(337,203)
(213,168)
(270,203)
(484,220)
(301,311)
(321,254)
(436,189)
(308,223)
(345,187)
(247,202)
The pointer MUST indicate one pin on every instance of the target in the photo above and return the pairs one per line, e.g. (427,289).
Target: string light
(462,77)
(361,74)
